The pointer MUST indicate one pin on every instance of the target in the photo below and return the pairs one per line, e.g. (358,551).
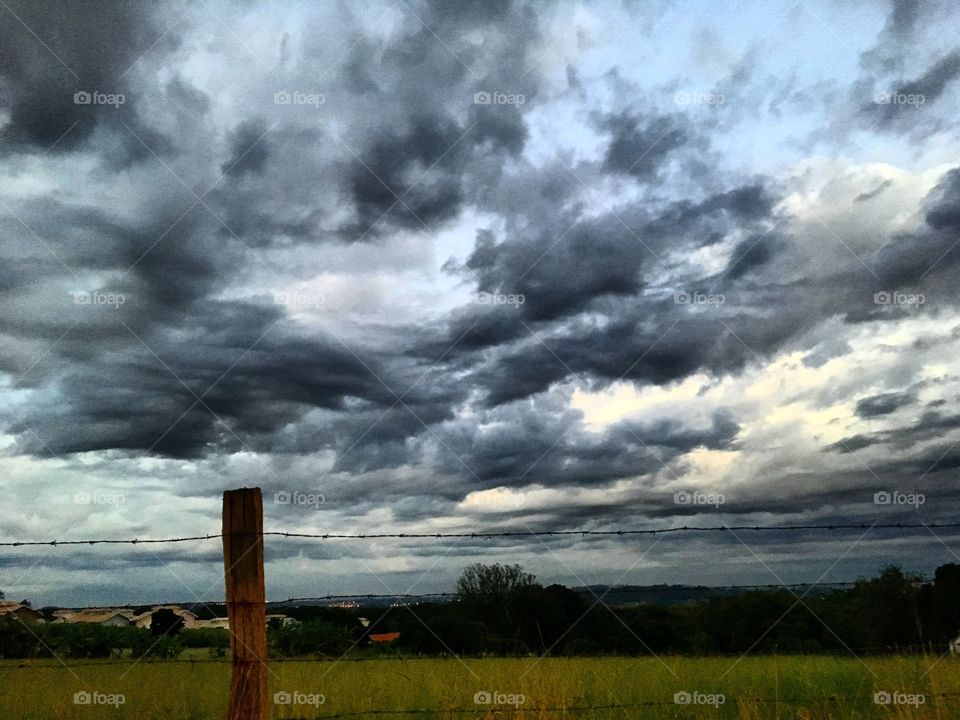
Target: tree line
(504,610)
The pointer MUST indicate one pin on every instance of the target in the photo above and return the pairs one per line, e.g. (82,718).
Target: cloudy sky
(446,266)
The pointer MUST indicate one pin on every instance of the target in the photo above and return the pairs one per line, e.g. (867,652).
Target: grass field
(551,688)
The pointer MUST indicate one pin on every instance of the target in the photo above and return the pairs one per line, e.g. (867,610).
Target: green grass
(553,688)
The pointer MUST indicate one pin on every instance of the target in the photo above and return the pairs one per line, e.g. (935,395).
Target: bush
(158,647)
(313,637)
(83,640)
(217,638)
(16,641)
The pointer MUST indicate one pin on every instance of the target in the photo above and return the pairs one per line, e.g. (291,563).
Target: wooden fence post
(243,574)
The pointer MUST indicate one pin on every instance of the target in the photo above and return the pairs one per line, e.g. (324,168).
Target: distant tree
(544,617)
(165,622)
(945,623)
(151,646)
(314,637)
(884,610)
(492,582)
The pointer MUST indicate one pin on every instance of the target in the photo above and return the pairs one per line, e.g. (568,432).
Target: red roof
(384,637)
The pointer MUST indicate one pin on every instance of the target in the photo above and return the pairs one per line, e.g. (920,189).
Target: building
(224,623)
(221,623)
(145,619)
(100,616)
(21,611)
(383,637)
(283,620)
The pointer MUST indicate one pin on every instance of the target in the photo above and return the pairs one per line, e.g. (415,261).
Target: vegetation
(755,688)
(503,611)
(493,582)
(846,654)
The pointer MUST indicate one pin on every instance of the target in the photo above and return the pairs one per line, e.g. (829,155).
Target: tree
(943,613)
(165,622)
(492,582)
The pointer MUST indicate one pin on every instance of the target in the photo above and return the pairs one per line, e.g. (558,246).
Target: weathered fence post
(243,574)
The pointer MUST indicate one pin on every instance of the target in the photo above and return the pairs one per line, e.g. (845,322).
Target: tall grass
(757,688)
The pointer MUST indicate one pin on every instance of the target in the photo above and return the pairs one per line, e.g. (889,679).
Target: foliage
(217,638)
(314,637)
(812,687)
(504,612)
(162,646)
(492,583)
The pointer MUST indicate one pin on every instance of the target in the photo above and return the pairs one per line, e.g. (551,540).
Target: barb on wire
(511,533)
(612,533)
(134,541)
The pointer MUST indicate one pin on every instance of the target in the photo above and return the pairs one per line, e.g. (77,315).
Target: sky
(424,266)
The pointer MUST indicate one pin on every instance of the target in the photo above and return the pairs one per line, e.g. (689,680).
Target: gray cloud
(209,207)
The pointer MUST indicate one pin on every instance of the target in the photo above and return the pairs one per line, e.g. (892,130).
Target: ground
(757,687)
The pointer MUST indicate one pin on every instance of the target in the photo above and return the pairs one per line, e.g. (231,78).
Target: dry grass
(552,688)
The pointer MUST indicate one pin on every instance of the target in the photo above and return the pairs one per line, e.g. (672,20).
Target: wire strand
(505,534)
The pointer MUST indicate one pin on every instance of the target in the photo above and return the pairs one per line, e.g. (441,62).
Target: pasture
(604,688)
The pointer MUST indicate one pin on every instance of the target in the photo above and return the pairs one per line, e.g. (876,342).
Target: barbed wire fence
(504,533)
(403,598)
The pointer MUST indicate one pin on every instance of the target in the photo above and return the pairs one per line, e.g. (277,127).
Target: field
(757,687)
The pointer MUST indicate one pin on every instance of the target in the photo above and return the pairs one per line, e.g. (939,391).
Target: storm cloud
(466,265)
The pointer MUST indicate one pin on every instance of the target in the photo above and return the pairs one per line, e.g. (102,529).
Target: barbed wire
(506,533)
(612,533)
(134,541)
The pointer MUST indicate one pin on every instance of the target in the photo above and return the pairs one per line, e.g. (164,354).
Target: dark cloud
(870,195)
(909,258)
(750,254)
(248,149)
(50,52)
(943,209)
(383,182)
(640,145)
(907,102)
(851,444)
(594,202)
(932,83)
(883,404)
(235,386)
